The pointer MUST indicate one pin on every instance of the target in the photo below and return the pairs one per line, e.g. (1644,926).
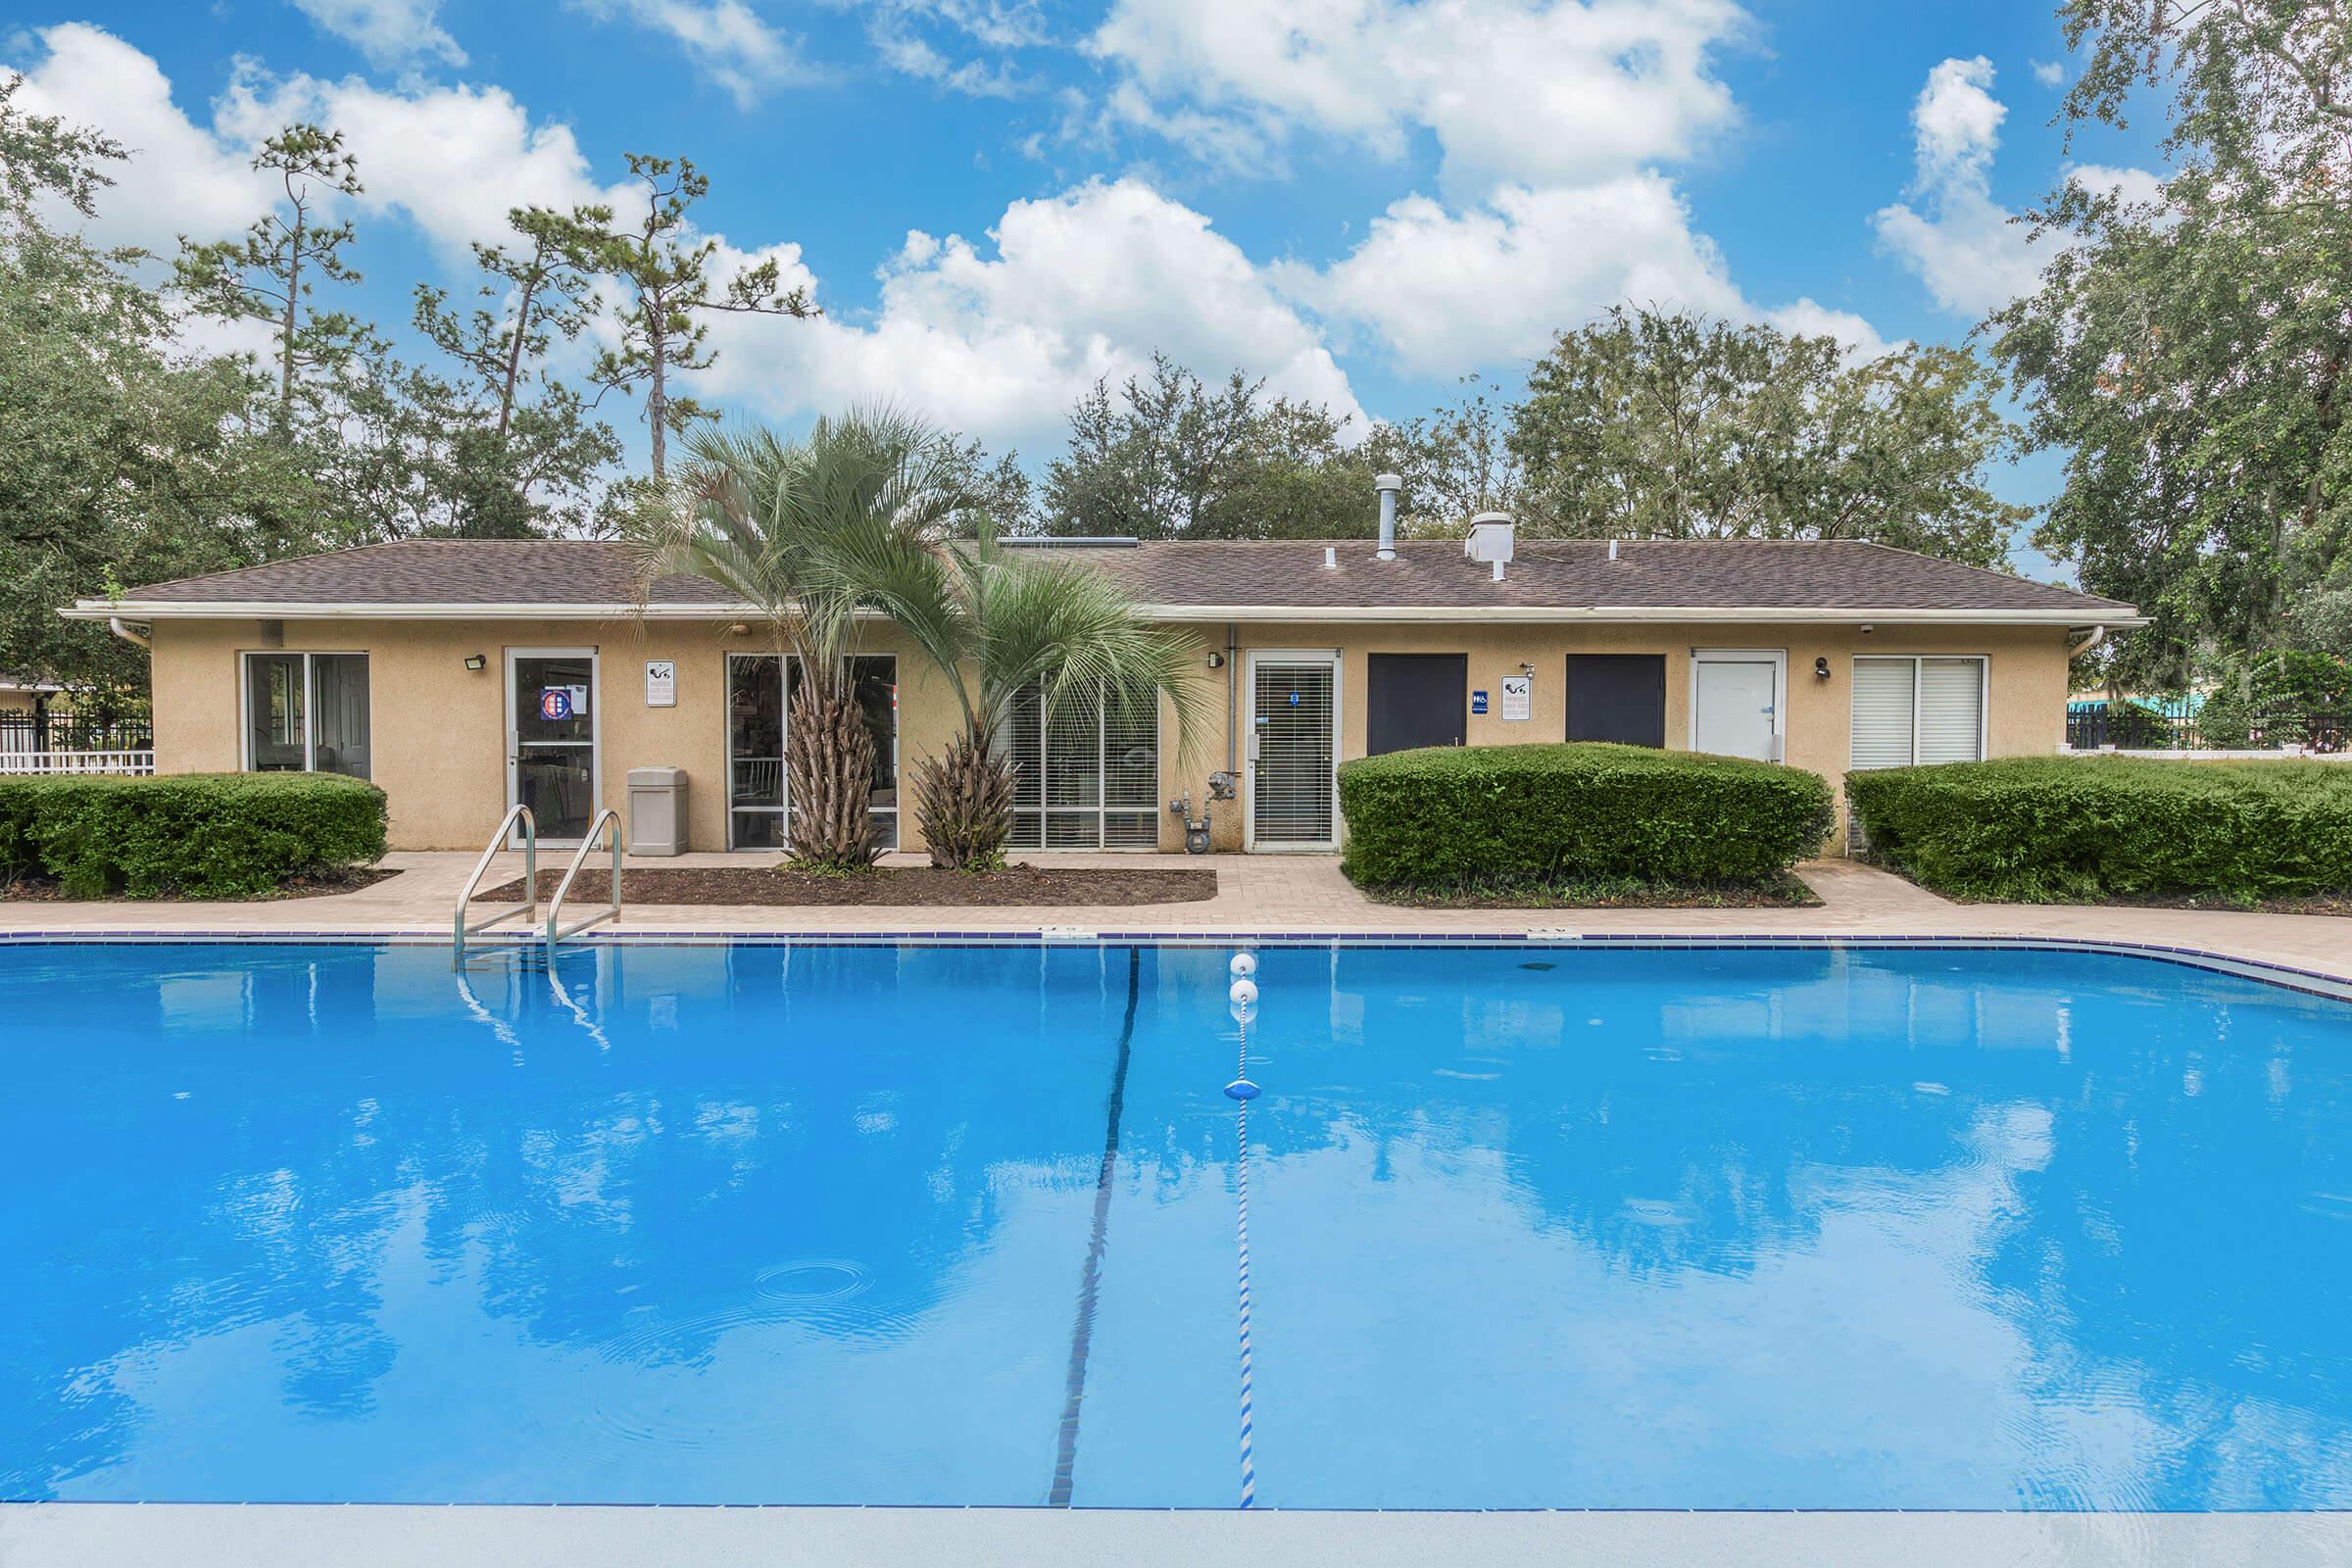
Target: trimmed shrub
(2042,829)
(187,835)
(1450,815)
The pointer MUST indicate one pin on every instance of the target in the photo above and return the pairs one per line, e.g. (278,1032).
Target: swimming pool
(1794,1228)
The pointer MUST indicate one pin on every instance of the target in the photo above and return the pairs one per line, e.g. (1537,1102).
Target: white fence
(2282,754)
(19,763)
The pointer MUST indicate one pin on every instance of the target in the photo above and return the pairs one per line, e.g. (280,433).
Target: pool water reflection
(1766,1229)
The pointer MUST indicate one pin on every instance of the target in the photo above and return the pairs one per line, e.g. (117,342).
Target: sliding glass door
(760,689)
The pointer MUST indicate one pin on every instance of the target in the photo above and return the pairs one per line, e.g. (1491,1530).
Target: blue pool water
(1735,1229)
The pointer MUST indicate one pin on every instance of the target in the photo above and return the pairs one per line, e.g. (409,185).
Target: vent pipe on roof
(1612,550)
(1494,538)
(1387,484)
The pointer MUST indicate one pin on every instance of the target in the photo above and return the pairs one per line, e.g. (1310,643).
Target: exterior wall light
(1217,660)
(1821,667)
(476,663)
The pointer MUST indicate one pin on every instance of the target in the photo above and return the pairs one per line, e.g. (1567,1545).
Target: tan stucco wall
(439,731)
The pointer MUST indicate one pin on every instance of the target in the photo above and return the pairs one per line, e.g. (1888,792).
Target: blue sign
(556,703)
(1478,702)
(1294,699)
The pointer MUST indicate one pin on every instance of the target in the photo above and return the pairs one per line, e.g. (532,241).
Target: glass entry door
(551,738)
(1294,740)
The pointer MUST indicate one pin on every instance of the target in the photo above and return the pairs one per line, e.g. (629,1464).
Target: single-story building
(465,675)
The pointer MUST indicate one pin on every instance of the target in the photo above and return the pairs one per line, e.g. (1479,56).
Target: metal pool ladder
(529,909)
(557,931)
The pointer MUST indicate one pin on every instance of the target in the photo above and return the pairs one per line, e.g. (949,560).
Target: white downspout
(121,628)
(2098,635)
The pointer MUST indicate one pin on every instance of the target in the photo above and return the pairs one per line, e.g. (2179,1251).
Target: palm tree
(774,521)
(996,623)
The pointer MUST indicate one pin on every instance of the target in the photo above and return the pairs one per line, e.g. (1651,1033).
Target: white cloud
(451,158)
(899,30)
(1806,318)
(999,340)
(2137,186)
(726,40)
(389,32)
(1527,91)
(2050,73)
(1967,249)
(1449,291)
(181,179)
(1963,245)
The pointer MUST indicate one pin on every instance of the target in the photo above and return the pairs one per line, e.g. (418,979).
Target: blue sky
(1361,200)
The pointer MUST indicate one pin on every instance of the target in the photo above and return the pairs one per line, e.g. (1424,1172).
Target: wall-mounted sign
(661,683)
(556,703)
(1478,702)
(1518,697)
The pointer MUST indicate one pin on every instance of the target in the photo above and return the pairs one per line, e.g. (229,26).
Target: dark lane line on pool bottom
(1090,1283)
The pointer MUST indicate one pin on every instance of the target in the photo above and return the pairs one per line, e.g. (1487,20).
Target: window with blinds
(1086,776)
(1918,709)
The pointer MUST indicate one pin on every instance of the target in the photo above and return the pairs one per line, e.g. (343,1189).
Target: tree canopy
(2190,355)
(1676,427)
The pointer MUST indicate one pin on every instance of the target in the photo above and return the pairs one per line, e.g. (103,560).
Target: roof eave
(1541,615)
(2065,616)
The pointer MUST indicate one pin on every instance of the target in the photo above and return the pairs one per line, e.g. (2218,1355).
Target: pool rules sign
(1517,696)
(661,683)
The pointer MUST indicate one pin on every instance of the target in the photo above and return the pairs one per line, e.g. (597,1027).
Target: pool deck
(1257,896)
(108,1535)
(1301,895)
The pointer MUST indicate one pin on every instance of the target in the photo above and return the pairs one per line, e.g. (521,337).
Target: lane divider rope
(1241,1184)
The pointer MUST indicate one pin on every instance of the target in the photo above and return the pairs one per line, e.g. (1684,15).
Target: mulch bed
(1013,886)
(2336,903)
(1789,893)
(42,889)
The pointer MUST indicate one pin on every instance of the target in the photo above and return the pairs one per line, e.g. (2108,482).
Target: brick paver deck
(1265,894)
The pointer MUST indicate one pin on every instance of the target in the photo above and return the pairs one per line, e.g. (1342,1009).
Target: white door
(1293,751)
(1735,708)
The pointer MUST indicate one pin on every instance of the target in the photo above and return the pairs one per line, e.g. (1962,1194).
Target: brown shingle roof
(1549,575)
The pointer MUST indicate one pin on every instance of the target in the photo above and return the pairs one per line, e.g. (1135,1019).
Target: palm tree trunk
(829,769)
(963,799)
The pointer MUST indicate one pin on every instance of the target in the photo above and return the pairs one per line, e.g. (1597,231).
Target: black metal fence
(72,732)
(2138,729)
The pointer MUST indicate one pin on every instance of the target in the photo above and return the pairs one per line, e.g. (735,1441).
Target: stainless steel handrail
(557,931)
(529,909)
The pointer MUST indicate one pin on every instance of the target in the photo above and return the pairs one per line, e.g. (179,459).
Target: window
(305,712)
(1907,711)
(1617,697)
(1086,777)
(759,705)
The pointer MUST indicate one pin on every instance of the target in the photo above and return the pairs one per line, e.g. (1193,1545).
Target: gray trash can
(656,810)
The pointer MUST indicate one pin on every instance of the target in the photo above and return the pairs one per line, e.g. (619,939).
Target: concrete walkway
(109,1535)
(1290,894)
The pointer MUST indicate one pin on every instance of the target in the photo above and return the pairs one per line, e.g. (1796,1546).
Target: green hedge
(2049,828)
(187,835)
(1450,815)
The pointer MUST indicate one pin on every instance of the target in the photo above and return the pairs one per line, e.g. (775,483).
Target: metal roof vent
(1492,538)
(1387,484)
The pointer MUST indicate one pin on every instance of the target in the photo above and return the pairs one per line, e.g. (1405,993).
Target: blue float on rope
(1240,1089)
